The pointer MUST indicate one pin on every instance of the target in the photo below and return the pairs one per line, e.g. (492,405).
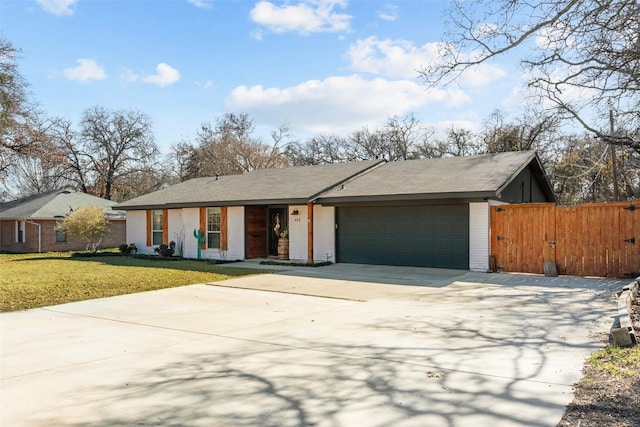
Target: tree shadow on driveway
(472,353)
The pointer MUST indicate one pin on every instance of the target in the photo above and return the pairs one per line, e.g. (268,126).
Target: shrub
(128,249)
(88,223)
(166,250)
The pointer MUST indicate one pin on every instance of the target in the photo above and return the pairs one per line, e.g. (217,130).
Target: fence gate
(523,236)
(589,240)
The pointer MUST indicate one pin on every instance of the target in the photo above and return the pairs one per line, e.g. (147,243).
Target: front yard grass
(38,280)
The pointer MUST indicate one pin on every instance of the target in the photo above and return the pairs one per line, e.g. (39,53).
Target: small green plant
(166,250)
(128,249)
(285,234)
(617,362)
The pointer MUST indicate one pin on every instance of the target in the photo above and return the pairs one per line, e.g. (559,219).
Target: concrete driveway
(344,345)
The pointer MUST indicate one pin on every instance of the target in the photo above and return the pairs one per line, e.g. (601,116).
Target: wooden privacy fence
(600,239)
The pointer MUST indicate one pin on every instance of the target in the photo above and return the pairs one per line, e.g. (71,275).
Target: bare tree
(146,178)
(116,145)
(19,121)
(582,55)
(67,142)
(583,172)
(229,148)
(368,144)
(401,138)
(184,160)
(42,170)
(318,150)
(457,142)
(41,167)
(532,131)
(404,135)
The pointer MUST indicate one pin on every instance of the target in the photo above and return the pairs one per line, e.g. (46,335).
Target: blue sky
(320,66)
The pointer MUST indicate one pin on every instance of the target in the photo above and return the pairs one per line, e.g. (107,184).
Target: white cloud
(204,85)
(482,75)
(402,59)
(257,34)
(165,75)
(337,104)
(58,7)
(128,76)
(393,58)
(202,4)
(86,70)
(309,16)
(389,12)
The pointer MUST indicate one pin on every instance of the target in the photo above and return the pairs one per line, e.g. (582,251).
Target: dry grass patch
(37,280)
(607,394)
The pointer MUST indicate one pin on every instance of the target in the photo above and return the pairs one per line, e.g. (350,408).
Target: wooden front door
(256,217)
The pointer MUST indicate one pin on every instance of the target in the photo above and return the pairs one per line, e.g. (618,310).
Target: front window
(156,227)
(213,228)
(61,236)
(20,231)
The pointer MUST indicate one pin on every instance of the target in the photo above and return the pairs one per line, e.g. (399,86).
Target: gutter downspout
(39,233)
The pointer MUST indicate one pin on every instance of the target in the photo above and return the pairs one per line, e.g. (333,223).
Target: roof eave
(262,202)
(430,197)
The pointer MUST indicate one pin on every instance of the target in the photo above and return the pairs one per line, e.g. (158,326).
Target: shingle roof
(456,177)
(268,186)
(470,176)
(52,204)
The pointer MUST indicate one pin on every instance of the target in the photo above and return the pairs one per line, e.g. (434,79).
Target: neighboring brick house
(30,224)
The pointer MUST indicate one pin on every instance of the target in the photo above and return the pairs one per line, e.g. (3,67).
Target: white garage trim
(479,236)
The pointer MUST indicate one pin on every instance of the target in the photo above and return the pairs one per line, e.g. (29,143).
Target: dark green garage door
(422,236)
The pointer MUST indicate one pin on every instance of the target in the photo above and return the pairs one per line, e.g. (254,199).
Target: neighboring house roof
(265,186)
(471,177)
(55,204)
(482,176)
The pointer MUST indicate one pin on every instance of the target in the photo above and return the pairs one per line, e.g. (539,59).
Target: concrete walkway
(341,345)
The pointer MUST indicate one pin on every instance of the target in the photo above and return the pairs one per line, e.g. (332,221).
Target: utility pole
(614,169)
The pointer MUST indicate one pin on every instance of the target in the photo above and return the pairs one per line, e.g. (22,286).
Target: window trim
(159,231)
(219,232)
(21,231)
(61,237)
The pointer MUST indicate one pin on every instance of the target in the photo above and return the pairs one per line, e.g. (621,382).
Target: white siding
(324,233)
(479,235)
(298,234)
(190,222)
(137,231)
(182,223)
(235,233)
(235,236)
(176,229)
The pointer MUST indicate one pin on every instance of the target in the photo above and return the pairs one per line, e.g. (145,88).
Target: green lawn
(38,280)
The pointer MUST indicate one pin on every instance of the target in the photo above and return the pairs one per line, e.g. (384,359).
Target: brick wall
(116,237)
(479,236)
